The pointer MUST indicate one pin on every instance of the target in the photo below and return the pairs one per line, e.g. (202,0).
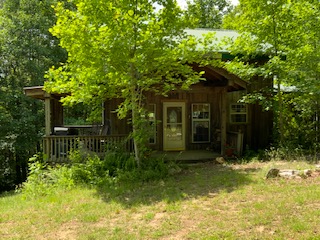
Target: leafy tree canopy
(27,50)
(287,33)
(208,13)
(120,49)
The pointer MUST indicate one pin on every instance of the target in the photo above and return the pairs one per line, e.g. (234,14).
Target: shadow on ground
(194,181)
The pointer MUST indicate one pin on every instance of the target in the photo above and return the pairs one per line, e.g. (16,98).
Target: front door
(173,126)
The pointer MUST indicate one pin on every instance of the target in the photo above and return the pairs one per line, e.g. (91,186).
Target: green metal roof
(220,34)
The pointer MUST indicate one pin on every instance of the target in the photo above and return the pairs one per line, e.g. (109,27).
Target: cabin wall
(257,130)
(261,120)
(197,94)
(57,110)
(259,126)
(117,126)
(232,98)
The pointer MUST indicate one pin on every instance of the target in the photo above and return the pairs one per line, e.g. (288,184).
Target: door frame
(183,118)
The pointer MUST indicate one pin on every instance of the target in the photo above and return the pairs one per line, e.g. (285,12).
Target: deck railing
(58,148)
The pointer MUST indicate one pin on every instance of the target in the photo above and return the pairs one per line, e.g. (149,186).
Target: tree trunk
(280,102)
(135,131)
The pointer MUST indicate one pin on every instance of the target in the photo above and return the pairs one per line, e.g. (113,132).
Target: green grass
(204,201)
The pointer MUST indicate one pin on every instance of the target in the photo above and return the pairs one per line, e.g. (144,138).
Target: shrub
(91,170)
(43,178)
(115,167)
(115,161)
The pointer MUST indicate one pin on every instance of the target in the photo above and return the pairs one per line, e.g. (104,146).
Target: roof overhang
(38,92)
(234,82)
(219,77)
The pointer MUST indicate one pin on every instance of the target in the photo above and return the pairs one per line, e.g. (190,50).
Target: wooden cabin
(206,117)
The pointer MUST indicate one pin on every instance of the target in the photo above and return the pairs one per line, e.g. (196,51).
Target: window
(238,113)
(81,114)
(152,120)
(200,122)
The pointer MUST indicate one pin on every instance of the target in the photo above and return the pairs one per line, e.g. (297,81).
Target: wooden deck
(58,148)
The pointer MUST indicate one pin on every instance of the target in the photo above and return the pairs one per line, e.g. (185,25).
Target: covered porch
(61,139)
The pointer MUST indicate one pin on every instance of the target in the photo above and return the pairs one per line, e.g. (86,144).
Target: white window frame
(243,110)
(195,119)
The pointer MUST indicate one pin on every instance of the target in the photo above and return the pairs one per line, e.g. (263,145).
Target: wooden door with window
(174,126)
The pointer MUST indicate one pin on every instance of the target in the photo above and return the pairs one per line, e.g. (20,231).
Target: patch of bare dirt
(157,220)
(67,231)
(315,173)
(187,226)
(6,230)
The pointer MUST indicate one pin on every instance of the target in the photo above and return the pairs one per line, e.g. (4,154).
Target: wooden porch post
(223,121)
(47,106)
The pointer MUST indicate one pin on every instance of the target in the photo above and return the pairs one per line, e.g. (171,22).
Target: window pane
(238,118)
(174,115)
(81,114)
(201,122)
(152,138)
(238,113)
(238,108)
(151,112)
(200,111)
(201,131)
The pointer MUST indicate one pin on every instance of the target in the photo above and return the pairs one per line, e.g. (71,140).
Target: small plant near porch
(122,50)
(116,168)
(231,150)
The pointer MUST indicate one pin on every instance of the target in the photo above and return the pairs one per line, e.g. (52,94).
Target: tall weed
(288,153)
(117,166)
(44,179)
(91,170)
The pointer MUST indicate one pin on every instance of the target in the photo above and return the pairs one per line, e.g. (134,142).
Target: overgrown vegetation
(284,153)
(116,168)
(27,50)
(279,40)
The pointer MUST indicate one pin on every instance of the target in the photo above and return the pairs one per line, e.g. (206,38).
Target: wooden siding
(197,94)
(57,109)
(118,126)
(261,121)
(258,129)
